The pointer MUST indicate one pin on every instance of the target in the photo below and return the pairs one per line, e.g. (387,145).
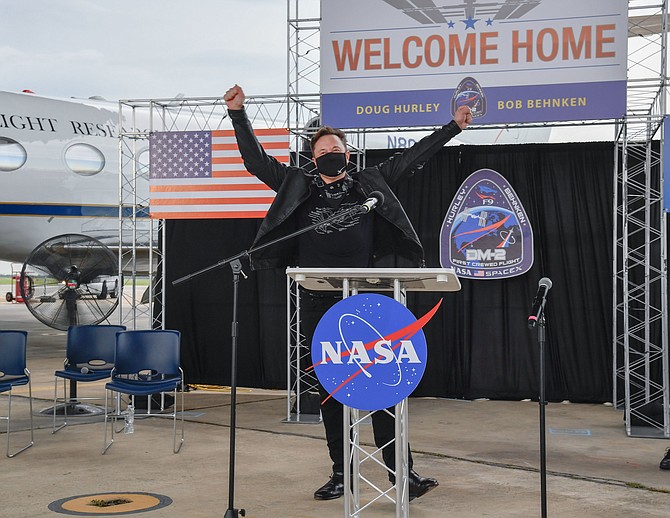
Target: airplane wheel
(9,297)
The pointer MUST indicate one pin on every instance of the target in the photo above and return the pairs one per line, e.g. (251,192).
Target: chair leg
(118,413)
(176,442)
(176,447)
(53,427)
(9,421)
(106,445)
(65,403)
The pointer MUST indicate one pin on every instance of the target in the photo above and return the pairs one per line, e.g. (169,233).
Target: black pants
(312,307)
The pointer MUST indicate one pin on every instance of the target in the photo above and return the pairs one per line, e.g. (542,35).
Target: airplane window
(84,159)
(143,163)
(12,154)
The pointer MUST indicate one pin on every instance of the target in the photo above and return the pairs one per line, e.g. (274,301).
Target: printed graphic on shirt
(320,214)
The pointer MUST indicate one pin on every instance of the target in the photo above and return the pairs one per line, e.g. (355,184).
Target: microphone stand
(543,404)
(236,266)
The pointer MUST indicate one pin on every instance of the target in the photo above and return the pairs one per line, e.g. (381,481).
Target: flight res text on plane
(32,123)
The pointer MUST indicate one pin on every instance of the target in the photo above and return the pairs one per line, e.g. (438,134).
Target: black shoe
(419,486)
(665,463)
(332,489)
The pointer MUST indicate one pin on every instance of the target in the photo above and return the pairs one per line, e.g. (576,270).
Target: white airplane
(58,171)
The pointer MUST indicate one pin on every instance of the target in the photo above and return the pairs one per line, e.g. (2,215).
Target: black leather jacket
(392,229)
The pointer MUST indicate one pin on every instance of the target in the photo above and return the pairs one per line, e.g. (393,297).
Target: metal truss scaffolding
(139,255)
(640,322)
(640,299)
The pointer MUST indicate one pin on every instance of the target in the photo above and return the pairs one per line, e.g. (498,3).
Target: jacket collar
(318,181)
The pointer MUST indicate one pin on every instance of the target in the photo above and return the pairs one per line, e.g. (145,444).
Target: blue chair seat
(8,381)
(75,374)
(144,388)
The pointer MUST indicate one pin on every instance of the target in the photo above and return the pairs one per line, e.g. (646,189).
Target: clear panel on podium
(376,279)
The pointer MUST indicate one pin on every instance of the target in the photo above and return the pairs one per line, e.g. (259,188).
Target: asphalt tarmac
(484,453)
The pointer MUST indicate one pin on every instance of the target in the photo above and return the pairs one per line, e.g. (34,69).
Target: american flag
(201,175)
(479,273)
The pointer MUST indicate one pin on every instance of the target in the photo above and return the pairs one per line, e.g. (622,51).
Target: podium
(351,281)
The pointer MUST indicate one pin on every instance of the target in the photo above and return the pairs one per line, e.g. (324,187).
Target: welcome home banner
(412,63)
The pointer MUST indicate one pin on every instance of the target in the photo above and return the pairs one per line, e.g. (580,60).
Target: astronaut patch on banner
(486,233)
(369,351)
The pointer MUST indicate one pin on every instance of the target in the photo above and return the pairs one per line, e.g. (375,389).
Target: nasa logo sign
(486,233)
(369,351)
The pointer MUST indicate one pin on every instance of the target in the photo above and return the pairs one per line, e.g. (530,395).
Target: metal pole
(231,512)
(664,229)
(289,342)
(401,442)
(543,404)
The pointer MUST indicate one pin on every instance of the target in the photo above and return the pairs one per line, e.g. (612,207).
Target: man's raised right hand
(234,98)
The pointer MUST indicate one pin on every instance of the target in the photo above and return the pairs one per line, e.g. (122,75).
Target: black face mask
(331,164)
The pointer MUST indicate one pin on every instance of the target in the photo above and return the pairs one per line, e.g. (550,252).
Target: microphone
(375,199)
(543,288)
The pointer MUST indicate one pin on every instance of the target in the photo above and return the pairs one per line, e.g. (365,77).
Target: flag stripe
(209,188)
(250,180)
(267,196)
(259,214)
(230,207)
(230,167)
(227,160)
(239,160)
(211,201)
(259,132)
(210,209)
(232,146)
(235,173)
(277,152)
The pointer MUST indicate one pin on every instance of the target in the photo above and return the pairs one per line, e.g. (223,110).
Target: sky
(143,49)
(132,49)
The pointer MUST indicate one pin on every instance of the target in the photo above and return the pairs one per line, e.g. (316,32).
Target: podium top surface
(376,279)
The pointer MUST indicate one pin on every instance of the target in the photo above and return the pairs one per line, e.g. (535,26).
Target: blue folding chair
(89,355)
(146,363)
(13,373)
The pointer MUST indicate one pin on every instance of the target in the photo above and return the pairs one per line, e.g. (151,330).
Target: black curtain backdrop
(479,344)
